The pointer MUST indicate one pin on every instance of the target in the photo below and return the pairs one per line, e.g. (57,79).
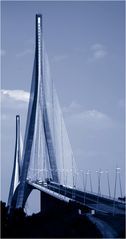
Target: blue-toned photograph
(62,119)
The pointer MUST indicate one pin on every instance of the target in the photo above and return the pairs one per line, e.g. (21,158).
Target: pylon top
(38,15)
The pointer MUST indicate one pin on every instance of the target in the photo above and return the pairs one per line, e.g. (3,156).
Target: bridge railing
(82,180)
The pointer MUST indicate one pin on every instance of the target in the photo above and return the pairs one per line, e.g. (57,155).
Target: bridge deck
(110,224)
(93,201)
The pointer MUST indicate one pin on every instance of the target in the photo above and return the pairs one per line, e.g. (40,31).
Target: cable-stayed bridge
(47,162)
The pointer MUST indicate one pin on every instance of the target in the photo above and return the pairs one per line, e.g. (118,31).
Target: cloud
(97,51)
(74,113)
(59,58)
(99,54)
(2,52)
(92,114)
(24,53)
(96,47)
(72,108)
(92,118)
(16,95)
(13,102)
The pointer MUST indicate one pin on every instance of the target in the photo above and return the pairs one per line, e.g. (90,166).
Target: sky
(86,49)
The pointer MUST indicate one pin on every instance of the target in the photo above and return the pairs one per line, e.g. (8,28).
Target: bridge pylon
(17,163)
(37,106)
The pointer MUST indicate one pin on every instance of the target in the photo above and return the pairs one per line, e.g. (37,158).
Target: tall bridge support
(50,204)
(17,163)
(28,190)
(37,97)
(37,103)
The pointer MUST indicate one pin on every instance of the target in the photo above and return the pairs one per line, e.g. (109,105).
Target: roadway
(107,214)
(93,201)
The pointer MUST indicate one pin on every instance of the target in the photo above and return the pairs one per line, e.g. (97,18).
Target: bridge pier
(50,204)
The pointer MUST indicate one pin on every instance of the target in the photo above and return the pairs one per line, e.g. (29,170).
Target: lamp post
(66,181)
(107,173)
(86,174)
(99,184)
(114,199)
(90,181)
(83,185)
(74,185)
